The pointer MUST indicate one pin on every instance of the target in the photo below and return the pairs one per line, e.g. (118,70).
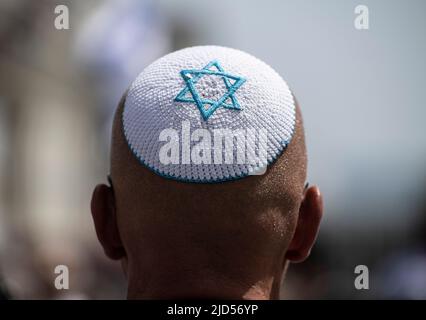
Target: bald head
(206,240)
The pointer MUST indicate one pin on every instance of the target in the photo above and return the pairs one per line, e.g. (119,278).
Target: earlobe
(104,218)
(310,214)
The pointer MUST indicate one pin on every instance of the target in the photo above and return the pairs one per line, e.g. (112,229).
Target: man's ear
(104,217)
(310,214)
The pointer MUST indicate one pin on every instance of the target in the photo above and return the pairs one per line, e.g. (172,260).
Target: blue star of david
(191,76)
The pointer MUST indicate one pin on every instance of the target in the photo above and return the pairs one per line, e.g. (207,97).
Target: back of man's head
(197,226)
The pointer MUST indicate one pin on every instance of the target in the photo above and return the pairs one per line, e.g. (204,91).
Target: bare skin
(231,240)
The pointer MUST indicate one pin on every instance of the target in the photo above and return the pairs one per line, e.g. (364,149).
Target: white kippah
(208,114)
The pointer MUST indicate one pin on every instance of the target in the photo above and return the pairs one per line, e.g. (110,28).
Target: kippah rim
(284,145)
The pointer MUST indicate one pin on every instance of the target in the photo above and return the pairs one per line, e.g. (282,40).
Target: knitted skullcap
(180,107)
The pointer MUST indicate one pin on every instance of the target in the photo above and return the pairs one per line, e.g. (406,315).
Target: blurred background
(362,93)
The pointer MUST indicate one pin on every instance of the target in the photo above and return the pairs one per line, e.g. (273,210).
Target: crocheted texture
(229,91)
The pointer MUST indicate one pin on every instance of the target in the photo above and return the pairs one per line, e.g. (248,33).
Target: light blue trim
(191,76)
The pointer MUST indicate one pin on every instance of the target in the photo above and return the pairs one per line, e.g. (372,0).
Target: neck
(198,283)
(206,288)
(252,293)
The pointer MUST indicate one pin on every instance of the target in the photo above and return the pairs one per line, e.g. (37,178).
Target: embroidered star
(206,106)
